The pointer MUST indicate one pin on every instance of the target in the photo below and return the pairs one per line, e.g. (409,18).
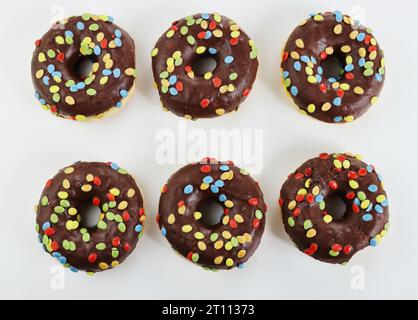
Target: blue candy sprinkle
(285,74)
(73,88)
(361,36)
(373,242)
(385,203)
(367,217)
(297,66)
(219,183)
(116,73)
(123,93)
(332,80)
(172,80)
(81,85)
(318,77)
(80,25)
(117,33)
(212,51)
(107,72)
(56,254)
(73,269)
(163,231)
(46,225)
(336,101)
(378,208)
(338,16)
(138,228)
(214,189)
(118,42)
(305,58)
(207,179)
(173,91)
(224,167)
(118,104)
(222,198)
(208,34)
(56,74)
(50,68)
(240,266)
(369,168)
(42,101)
(188,189)
(62,260)
(205,16)
(319,198)
(294,90)
(68,33)
(320,70)
(378,77)
(313,59)
(338,119)
(228,59)
(45,80)
(97,50)
(357,201)
(114,166)
(361,62)
(349,67)
(372,188)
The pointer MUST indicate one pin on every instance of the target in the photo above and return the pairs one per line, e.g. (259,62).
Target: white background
(34,145)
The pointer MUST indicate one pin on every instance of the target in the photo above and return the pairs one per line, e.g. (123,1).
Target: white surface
(34,145)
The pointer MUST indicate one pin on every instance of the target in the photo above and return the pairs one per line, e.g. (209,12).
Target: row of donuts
(332,67)
(305,201)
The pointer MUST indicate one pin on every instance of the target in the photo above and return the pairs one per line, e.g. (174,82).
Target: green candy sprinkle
(44,201)
(100,246)
(122,227)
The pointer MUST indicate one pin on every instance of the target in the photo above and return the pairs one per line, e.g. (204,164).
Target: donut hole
(333,67)
(83,66)
(212,213)
(336,206)
(204,64)
(90,215)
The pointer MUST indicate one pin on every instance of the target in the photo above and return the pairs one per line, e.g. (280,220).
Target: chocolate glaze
(318,33)
(195,96)
(108,42)
(116,194)
(242,223)
(364,223)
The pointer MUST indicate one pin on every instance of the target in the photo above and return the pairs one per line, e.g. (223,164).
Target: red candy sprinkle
(110,196)
(54,246)
(308,171)
(349,76)
(333,185)
(204,103)
(141,211)
(362,172)
(103,44)
(233,41)
(48,183)
(296,212)
(126,216)
(126,246)
(38,43)
(299,176)
(323,156)
(352,175)
(233,224)
(340,93)
(256,223)
(189,255)
(201,35)
(205,169)
(179,86)
(323,88)
(60,57)
(212,25)
(299,197)
(347,249)
(355,208)
(323,55)
(351,195)
(281,201)
(216,82)
(92,257)
(246,92)
(310,198)
(50,231)
(336,247)
(285,56)
(116,241)
(253,201)
(188,69)
(312,249)
(97,181)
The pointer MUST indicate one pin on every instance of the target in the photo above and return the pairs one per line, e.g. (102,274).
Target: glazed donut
(361,67)
(64,48)
(65,196)
(216,92)
(234,239)
(309,223)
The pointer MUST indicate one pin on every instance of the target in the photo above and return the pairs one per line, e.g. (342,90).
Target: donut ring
(303,200)
(58,85)
(232,241)
(58,219)
(217,92)
(361,70)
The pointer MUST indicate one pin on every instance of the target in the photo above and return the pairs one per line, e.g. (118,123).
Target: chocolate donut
(346,93)
(313,227)
(78,41)
(228,243)
(65,197)
(216,92)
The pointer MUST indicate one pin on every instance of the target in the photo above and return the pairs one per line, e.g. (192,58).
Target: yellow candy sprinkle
(69,100)
(337,164)
(218,260)
(199,235)
(200,49)
(186,228)
(130,193)
(66,184)
(326,106)
(220,111)
(311,108)
(123,205)
(346,49)
(80,117)
(197,215)
(311,233)
(86,187)
(171,219)
(338,29)
(348,118)
(228,204)
(380,198)
(181,210)
(103,266)
(353,184)
(327,218)
(226,234)
(299,43)
(373,100)
(229,262)
(72,211)
(318,18)
(312,79)
(201,245)
(68,170)
(218,244)
(291,205)
(238,218)
(241,253)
